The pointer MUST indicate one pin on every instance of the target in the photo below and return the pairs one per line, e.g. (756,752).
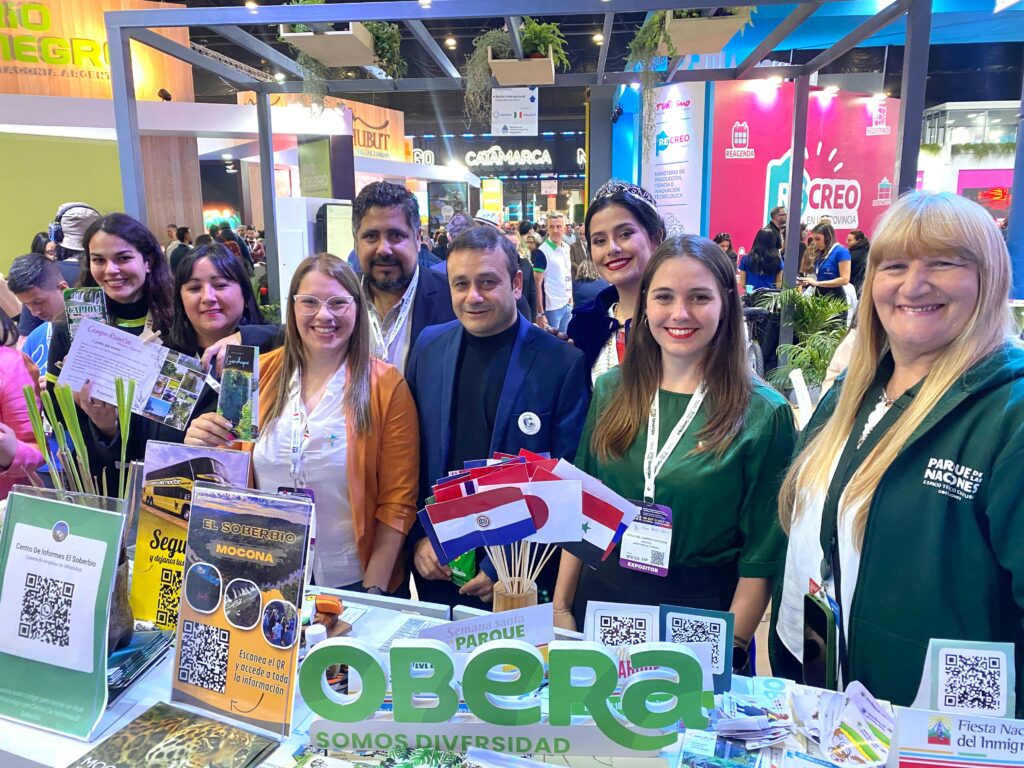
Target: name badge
(648,540)
(529,423)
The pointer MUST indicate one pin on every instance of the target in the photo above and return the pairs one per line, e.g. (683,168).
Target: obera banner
(849,158)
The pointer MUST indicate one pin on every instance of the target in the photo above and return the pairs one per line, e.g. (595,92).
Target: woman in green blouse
(720,443)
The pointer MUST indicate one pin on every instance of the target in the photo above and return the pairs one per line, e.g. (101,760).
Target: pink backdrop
(850,158)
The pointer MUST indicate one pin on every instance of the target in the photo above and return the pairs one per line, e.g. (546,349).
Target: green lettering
(53,50)
(325,702)
(41,22)
(479,690)
(85,52)
(364,741)
(24,48)
(459,642)
(686,688)
(404,685)
(5,48)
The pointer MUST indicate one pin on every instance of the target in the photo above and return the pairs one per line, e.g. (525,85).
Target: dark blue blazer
(433,304)
(545,376)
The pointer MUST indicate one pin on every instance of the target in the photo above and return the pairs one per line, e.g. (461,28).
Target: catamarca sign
(506,714)
(513,157)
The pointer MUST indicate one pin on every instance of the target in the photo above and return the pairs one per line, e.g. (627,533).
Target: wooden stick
(549,550)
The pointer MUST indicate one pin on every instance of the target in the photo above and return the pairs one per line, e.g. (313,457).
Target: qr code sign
(169,597)
(623,630)
(972,681)
(46,610)
(695,629)
(204,656)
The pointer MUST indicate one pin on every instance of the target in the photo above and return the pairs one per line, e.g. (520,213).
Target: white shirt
(397,351)
(322,468)
(557,275)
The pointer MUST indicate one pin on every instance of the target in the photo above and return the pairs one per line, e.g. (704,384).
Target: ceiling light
(995,121)
(252,5)
(832,89)
(227,156)
(279,76)
(450,43)
(972,115)
(598,38)
(775,80)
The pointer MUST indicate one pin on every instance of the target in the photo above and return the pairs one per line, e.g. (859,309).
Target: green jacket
(943,551)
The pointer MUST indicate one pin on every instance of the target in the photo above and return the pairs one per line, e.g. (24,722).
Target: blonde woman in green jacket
(918,448)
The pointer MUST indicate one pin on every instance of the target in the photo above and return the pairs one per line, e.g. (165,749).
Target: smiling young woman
(911,462)
(721,440)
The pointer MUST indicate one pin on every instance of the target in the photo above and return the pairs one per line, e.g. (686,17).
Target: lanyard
(382,341)
(654,460)
(299,440)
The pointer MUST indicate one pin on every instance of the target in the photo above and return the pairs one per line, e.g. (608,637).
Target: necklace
(886,400)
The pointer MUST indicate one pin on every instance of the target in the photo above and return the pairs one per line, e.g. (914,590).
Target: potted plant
(644,48)
(477,73)
(696,32)
(818,328)
(543,46)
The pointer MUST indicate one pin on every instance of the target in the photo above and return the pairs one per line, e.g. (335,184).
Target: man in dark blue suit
(491,381)
(403,297)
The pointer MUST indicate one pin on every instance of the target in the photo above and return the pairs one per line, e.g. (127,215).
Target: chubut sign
(505,711)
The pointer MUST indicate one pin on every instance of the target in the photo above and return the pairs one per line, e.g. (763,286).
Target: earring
(647,321)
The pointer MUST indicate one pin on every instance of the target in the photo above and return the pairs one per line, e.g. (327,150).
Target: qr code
(169,597)
(657,557)
(623,630)
(204,656)
(694,629)
(46,610)
(972,681)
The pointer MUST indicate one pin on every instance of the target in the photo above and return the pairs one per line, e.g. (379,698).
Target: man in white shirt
(552,272)
(402,299)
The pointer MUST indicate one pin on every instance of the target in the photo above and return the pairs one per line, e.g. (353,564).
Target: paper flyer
(84,304)
(239,625)
(927,738)
(57,565)
(167,383)
(169,476)
(239,390)
(157,736)
(532,625)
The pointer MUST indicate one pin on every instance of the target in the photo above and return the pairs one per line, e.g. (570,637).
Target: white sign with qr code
(688,628)
(50,589)
(964,677)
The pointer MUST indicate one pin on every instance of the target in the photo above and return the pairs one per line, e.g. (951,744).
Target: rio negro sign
(506,713)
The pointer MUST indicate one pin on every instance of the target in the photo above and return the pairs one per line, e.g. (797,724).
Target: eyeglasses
(310,305)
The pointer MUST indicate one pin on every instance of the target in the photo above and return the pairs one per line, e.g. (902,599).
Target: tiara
(641,195)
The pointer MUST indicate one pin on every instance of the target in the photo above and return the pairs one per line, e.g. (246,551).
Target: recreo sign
(507,712)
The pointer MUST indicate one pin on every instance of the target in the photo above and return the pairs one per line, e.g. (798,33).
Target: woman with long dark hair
(339,422)
(623,228)
(858,245)
(832,267)
(685,427)
(762,266)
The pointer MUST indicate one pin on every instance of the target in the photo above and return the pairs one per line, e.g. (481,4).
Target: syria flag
(600,522)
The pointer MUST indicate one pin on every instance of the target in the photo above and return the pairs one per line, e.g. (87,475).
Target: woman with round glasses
(338,424)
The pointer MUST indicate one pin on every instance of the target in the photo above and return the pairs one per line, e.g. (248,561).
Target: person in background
(39,286)
(529,294)
(578,253)
(762,267)
(227,234)
(724,241)
(777,220)
(172,238)
(176,254)
(489,381)
(426,258)
(441,246)
(401,297)
(588,283)
(203,239)
(18,452)
(910,467)
(686,398)
(552,271)
(526,229)
(357,448)
(832,268)
(42,243)
(858,245)
(623,228)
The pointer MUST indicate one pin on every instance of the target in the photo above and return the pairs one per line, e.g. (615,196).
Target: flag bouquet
(521,509)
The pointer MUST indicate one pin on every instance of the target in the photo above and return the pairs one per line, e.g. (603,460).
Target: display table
(23,746)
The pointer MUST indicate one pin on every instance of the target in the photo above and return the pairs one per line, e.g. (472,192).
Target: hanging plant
(540,37)
(477,73)
(982,151)
(387,43)
(643,50)
(314,81)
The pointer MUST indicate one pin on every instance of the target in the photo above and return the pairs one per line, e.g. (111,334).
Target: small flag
(489,518)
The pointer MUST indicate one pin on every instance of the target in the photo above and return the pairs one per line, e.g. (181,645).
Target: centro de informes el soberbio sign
(666,689)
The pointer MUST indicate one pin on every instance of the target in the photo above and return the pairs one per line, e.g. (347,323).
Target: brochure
(927,738)
(57,566)
(169,476)
(160,734)
(84,304)
(167,383)
(239,390)
(127,665)
(238,625)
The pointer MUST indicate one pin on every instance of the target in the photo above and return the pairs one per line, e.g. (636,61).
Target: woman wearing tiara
(623,229)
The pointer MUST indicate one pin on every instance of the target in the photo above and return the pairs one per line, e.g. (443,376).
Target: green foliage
(303,27)
(245,431)
(981,151)
(477,74)
(538,36)
(818,327)
(931,149)
(387,43)
(643,50)
(698,14)
(314,80)
(271,313)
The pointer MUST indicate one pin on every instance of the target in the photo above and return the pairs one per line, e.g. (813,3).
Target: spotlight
(450,43)
(227,156)
(775,80)
(831,89)
(279,76)
(164,94)
(598,38)
(252,5)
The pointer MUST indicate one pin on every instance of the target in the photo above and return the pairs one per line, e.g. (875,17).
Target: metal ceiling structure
(124,26)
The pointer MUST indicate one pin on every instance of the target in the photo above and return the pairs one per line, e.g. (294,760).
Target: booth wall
(43,172)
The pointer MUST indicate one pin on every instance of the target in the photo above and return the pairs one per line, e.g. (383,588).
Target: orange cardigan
(383,466)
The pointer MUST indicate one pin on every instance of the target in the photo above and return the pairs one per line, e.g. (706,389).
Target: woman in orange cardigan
(327,406)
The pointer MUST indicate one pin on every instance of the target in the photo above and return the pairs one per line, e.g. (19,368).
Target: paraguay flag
(489,518)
